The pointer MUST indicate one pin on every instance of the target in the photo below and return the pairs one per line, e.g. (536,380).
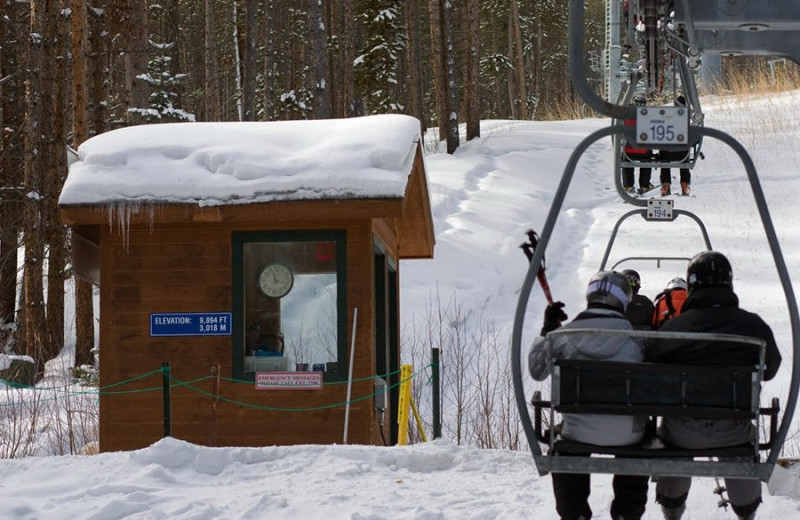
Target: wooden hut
(251,258)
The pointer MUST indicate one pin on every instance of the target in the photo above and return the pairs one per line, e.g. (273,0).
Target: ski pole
(528,248)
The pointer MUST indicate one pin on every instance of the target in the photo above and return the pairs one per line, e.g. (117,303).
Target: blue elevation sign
(190,324)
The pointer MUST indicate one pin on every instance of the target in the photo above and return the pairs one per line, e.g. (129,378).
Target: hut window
(289,291)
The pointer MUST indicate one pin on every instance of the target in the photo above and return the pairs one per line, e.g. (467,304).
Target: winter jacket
(668,304)
(601,430)
(640,312)
(713,309)
(632,151)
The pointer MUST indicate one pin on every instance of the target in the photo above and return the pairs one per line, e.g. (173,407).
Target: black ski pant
(665,177)
(686,174)
(644,176)
(744,494)
(572,491)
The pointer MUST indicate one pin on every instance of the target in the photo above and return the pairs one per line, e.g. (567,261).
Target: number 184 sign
(662,125)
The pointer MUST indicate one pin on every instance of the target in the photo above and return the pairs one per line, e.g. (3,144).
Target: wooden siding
(187,268)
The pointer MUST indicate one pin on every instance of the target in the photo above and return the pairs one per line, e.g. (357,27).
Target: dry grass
(756,76)
(565,107)
(743,79)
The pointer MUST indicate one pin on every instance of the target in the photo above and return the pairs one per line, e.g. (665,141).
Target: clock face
(276,280)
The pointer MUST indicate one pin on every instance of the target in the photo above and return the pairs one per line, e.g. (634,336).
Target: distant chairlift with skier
(657,64)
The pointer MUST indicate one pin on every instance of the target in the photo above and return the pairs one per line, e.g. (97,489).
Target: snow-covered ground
(484,197)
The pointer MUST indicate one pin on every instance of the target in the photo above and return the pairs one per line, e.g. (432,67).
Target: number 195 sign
(662,125)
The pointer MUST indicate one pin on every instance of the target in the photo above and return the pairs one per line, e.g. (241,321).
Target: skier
(668,303)
(640,309)
(712,306)
(607,296)
(641,154)
(665,176)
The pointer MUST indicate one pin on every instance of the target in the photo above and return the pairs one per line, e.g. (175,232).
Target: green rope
(330,383)
(311,409)
(190,385)
(135,378)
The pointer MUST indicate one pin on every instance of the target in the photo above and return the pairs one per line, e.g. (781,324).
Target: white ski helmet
(677,283)
(609,288)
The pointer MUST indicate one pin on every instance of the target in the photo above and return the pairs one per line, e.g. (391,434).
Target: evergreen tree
(376,68)
(163,85)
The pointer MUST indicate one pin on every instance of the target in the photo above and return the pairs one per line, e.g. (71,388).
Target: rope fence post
(165,379)
(214,401)
(435,388)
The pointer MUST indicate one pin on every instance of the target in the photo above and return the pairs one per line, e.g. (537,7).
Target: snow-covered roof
(215,164)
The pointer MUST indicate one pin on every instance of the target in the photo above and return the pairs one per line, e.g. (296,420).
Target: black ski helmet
(709,269)
(633,279)
(609,288)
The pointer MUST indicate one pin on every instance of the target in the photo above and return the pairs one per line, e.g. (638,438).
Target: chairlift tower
(613,51)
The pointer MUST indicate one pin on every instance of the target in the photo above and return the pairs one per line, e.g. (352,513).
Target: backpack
(667,305)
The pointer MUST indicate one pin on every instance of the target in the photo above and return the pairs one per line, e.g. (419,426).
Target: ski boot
(685,189)
(673,514)
(645,189)
(629,189)
(665,190)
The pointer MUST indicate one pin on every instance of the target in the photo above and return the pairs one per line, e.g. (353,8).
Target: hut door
(387,353)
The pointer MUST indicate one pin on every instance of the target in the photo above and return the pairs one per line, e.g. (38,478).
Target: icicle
(123,212)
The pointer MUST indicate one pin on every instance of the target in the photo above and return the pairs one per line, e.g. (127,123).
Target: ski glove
(553,316)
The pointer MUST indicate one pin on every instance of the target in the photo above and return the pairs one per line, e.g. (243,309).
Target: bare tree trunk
(512,92)
(237,62)
(416,105)
(348,56)
(12,105)
(136,60)
(472,83)
(451,92)
(33,290)
(84,315)
(249,62)
(211,99)
(519,61)
(53,84)
(537,53)
(319,61)
(99,70)
(332,12)
(438,65)
(268,62)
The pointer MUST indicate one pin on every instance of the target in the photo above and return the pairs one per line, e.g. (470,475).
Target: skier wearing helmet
(607,296)
(669,302)
(640,310)
(712,307)
(640,154)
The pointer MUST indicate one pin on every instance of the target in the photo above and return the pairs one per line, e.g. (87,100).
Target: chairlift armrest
(538,423)
(772,413)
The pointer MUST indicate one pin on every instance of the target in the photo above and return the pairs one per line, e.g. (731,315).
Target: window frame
(238,241)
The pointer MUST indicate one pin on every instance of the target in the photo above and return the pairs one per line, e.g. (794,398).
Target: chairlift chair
(754,466)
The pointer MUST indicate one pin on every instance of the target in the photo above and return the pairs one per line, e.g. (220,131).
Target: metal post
(212,441)
(165,378)
(350,376)
(437,414)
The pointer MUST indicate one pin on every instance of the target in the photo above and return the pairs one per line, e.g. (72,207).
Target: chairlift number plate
(660,209)
(662,125)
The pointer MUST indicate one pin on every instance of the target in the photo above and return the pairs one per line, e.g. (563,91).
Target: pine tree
(376,69)
(163,89)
